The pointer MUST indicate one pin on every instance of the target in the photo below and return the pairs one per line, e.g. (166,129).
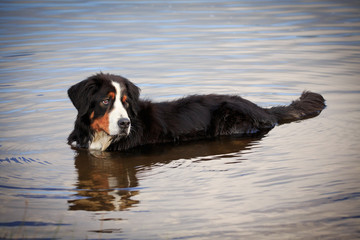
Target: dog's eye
(106,101)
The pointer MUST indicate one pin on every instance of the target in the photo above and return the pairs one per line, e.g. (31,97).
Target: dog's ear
(80,95)
(133,90)
(133,93)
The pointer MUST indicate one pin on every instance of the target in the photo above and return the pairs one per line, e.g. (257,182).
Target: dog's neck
(100,141)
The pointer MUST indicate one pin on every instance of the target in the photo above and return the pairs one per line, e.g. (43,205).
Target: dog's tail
(307,106)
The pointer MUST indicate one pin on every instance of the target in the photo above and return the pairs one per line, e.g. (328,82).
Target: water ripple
(22,160)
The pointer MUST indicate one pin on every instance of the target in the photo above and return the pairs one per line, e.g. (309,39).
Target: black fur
(190,118)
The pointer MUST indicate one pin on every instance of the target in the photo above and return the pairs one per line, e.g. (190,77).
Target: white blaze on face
(117,112)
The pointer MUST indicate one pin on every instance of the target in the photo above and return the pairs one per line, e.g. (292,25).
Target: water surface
(299,181)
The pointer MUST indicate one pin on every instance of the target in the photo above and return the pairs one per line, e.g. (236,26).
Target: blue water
(299,181)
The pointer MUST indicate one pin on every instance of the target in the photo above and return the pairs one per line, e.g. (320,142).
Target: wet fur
(189,118)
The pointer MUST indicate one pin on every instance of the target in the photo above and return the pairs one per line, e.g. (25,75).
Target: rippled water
(300,181)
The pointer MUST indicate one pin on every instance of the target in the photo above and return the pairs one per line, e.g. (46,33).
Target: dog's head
(106,104)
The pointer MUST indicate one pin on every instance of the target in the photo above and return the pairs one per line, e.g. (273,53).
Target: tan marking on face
(101,123)
(111,95)
(124,98)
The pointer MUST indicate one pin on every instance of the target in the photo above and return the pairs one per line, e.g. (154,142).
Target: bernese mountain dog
(111,116)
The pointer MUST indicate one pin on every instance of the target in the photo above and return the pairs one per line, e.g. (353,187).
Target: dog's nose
(124,123)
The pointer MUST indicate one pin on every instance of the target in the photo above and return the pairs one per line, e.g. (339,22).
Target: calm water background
(300,181)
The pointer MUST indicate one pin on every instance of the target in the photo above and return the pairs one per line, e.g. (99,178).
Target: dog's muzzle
(124,125)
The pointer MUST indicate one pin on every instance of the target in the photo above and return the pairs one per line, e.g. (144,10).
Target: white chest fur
(100,141)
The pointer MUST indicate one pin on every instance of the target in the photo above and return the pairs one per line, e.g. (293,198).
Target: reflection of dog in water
(108,181)
(104,184)
(112,117)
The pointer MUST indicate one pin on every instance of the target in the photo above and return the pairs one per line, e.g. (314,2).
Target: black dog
(112,117)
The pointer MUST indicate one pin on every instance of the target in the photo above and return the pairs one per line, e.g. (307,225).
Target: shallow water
(299,181)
